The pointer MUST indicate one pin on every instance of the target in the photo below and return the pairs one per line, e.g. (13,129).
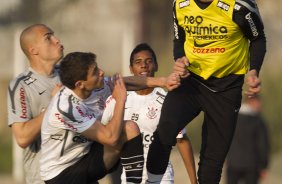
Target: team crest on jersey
(184,3)
(223,5)
(152,112)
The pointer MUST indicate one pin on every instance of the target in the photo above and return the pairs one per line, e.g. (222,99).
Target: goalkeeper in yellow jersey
(216,42)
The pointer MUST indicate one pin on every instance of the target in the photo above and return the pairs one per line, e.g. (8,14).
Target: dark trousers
(220,109)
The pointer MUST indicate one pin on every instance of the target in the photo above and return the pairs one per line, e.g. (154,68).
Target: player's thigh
(95,162)
(115,175)
(111,157)
(179,108)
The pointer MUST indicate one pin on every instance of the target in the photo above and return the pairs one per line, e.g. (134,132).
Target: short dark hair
(74,67)
(140,47)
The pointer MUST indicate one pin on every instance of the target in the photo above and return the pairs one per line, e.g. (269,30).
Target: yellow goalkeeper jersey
(214,44)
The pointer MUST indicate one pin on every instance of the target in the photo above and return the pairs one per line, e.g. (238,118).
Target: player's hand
(56,89)
(172,81)
(119,90)
(253,84)
(180,67)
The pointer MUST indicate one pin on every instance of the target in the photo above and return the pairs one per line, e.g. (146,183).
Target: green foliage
(5,153)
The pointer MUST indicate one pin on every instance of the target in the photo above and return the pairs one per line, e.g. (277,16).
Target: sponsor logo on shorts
(79,139)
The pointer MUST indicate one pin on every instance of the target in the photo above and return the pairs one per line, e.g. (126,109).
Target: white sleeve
(109,110)
(181,133)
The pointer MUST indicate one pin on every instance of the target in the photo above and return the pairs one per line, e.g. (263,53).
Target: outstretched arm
(134,83)
(185,149)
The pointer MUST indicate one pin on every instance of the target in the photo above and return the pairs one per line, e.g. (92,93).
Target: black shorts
(88,170)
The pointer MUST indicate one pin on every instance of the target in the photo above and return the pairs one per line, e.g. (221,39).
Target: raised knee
(131,129)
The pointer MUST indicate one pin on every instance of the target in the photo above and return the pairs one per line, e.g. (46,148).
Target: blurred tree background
(70,20)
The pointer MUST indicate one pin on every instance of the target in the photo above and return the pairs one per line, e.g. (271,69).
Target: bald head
(29,37)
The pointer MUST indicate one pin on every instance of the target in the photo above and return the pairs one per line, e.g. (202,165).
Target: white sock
(154,178)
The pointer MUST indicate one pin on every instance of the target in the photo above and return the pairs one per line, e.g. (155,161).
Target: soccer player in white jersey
(144,107)
(30,93)
(76,147)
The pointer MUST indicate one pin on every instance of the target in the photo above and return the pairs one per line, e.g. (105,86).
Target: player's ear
(79,84)
(32,51)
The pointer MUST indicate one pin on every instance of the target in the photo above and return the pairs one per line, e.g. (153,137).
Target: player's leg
(115,176)
(129,151)
(178,109)
(132,153)
(221,111)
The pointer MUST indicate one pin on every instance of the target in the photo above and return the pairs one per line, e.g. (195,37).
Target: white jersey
(145,110)
(66,117)
(28,94)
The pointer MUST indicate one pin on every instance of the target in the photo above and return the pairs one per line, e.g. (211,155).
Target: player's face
(95,78)
(143,64)
(48,46)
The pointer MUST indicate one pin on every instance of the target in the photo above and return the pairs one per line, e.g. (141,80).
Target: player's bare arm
(186,151)
(134,83)
(26,132)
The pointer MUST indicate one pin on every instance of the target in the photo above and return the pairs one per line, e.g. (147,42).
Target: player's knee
(131,129)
